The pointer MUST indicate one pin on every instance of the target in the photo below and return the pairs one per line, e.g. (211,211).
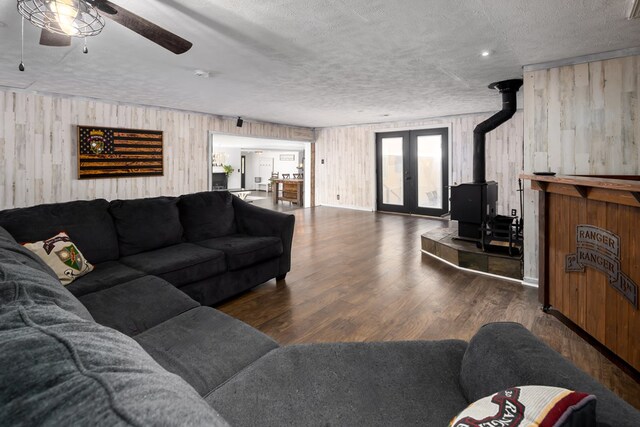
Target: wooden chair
(274,175)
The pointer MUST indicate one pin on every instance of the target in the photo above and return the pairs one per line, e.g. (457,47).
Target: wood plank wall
(38,147)
(349,156)
(579,119)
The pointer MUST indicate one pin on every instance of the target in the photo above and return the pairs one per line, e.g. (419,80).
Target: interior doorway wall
(265,169)
(283,156)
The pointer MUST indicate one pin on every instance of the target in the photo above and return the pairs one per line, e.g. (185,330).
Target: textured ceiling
(319,63)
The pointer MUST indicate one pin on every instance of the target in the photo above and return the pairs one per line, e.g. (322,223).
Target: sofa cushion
(207,215)
(204,346)
(63,256)
(179,264)
(244,251)
(215,289)
(504,354)
(60,370)
(103,276)
(22,284)
(348,384)
(531,406)
(135,306)
(146,224)
(87,223)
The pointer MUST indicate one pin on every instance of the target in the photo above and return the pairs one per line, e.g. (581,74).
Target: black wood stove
(473,204)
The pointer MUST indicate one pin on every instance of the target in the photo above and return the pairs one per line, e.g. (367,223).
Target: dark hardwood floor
(360,276)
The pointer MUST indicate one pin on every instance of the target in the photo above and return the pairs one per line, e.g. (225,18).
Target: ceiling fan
(62,19)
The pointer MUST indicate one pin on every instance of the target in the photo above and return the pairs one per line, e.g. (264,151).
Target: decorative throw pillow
(530,406)
(64,258)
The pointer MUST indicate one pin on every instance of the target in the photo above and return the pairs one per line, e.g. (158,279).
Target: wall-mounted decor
(287,157)
(219,159)
(600,249)
(113,153)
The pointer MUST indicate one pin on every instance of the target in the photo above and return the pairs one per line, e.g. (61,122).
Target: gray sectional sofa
(210,245)
(142,352)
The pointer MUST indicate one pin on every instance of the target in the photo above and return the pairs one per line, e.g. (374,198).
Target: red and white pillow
(530,406)
(63,256)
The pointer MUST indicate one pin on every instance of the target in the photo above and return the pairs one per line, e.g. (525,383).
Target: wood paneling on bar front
(590,298)
(580,119)
(349,158)
(38,147)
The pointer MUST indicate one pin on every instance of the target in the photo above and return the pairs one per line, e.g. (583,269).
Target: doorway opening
(256,164)
(413,171)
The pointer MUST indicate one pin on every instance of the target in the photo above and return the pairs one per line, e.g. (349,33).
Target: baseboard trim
(353,208)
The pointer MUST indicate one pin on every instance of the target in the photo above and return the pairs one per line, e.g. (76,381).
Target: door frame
(406,167)
(371,152)
(243,166)
(309,158)
(410,170)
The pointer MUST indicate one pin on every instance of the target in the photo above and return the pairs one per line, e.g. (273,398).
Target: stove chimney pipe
(508,89)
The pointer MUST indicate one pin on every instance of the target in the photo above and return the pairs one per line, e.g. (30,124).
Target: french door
(413,171)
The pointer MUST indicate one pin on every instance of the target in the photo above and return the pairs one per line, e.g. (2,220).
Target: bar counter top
(622,189)
(611,182)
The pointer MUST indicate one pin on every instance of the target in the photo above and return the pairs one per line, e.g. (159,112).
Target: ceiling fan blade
(103,7)
(47,38)
(149,30)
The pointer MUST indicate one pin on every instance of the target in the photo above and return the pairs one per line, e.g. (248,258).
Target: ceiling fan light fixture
(75,18)
(66,13)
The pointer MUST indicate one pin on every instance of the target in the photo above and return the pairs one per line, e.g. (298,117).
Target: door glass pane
(392,180)
(430,171)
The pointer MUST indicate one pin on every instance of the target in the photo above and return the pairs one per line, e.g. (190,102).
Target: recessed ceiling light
(486,53)
(202,73)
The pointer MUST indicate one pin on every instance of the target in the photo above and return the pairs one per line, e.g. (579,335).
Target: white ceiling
(319,63)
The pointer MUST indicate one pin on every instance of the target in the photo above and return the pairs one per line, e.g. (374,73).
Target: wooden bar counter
(589,231)
(289,190)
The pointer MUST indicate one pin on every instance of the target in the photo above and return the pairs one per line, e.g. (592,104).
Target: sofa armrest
(256,221)
(10,249)
(505,354)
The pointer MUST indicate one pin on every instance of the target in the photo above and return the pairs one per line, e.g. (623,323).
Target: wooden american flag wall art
(112,153)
